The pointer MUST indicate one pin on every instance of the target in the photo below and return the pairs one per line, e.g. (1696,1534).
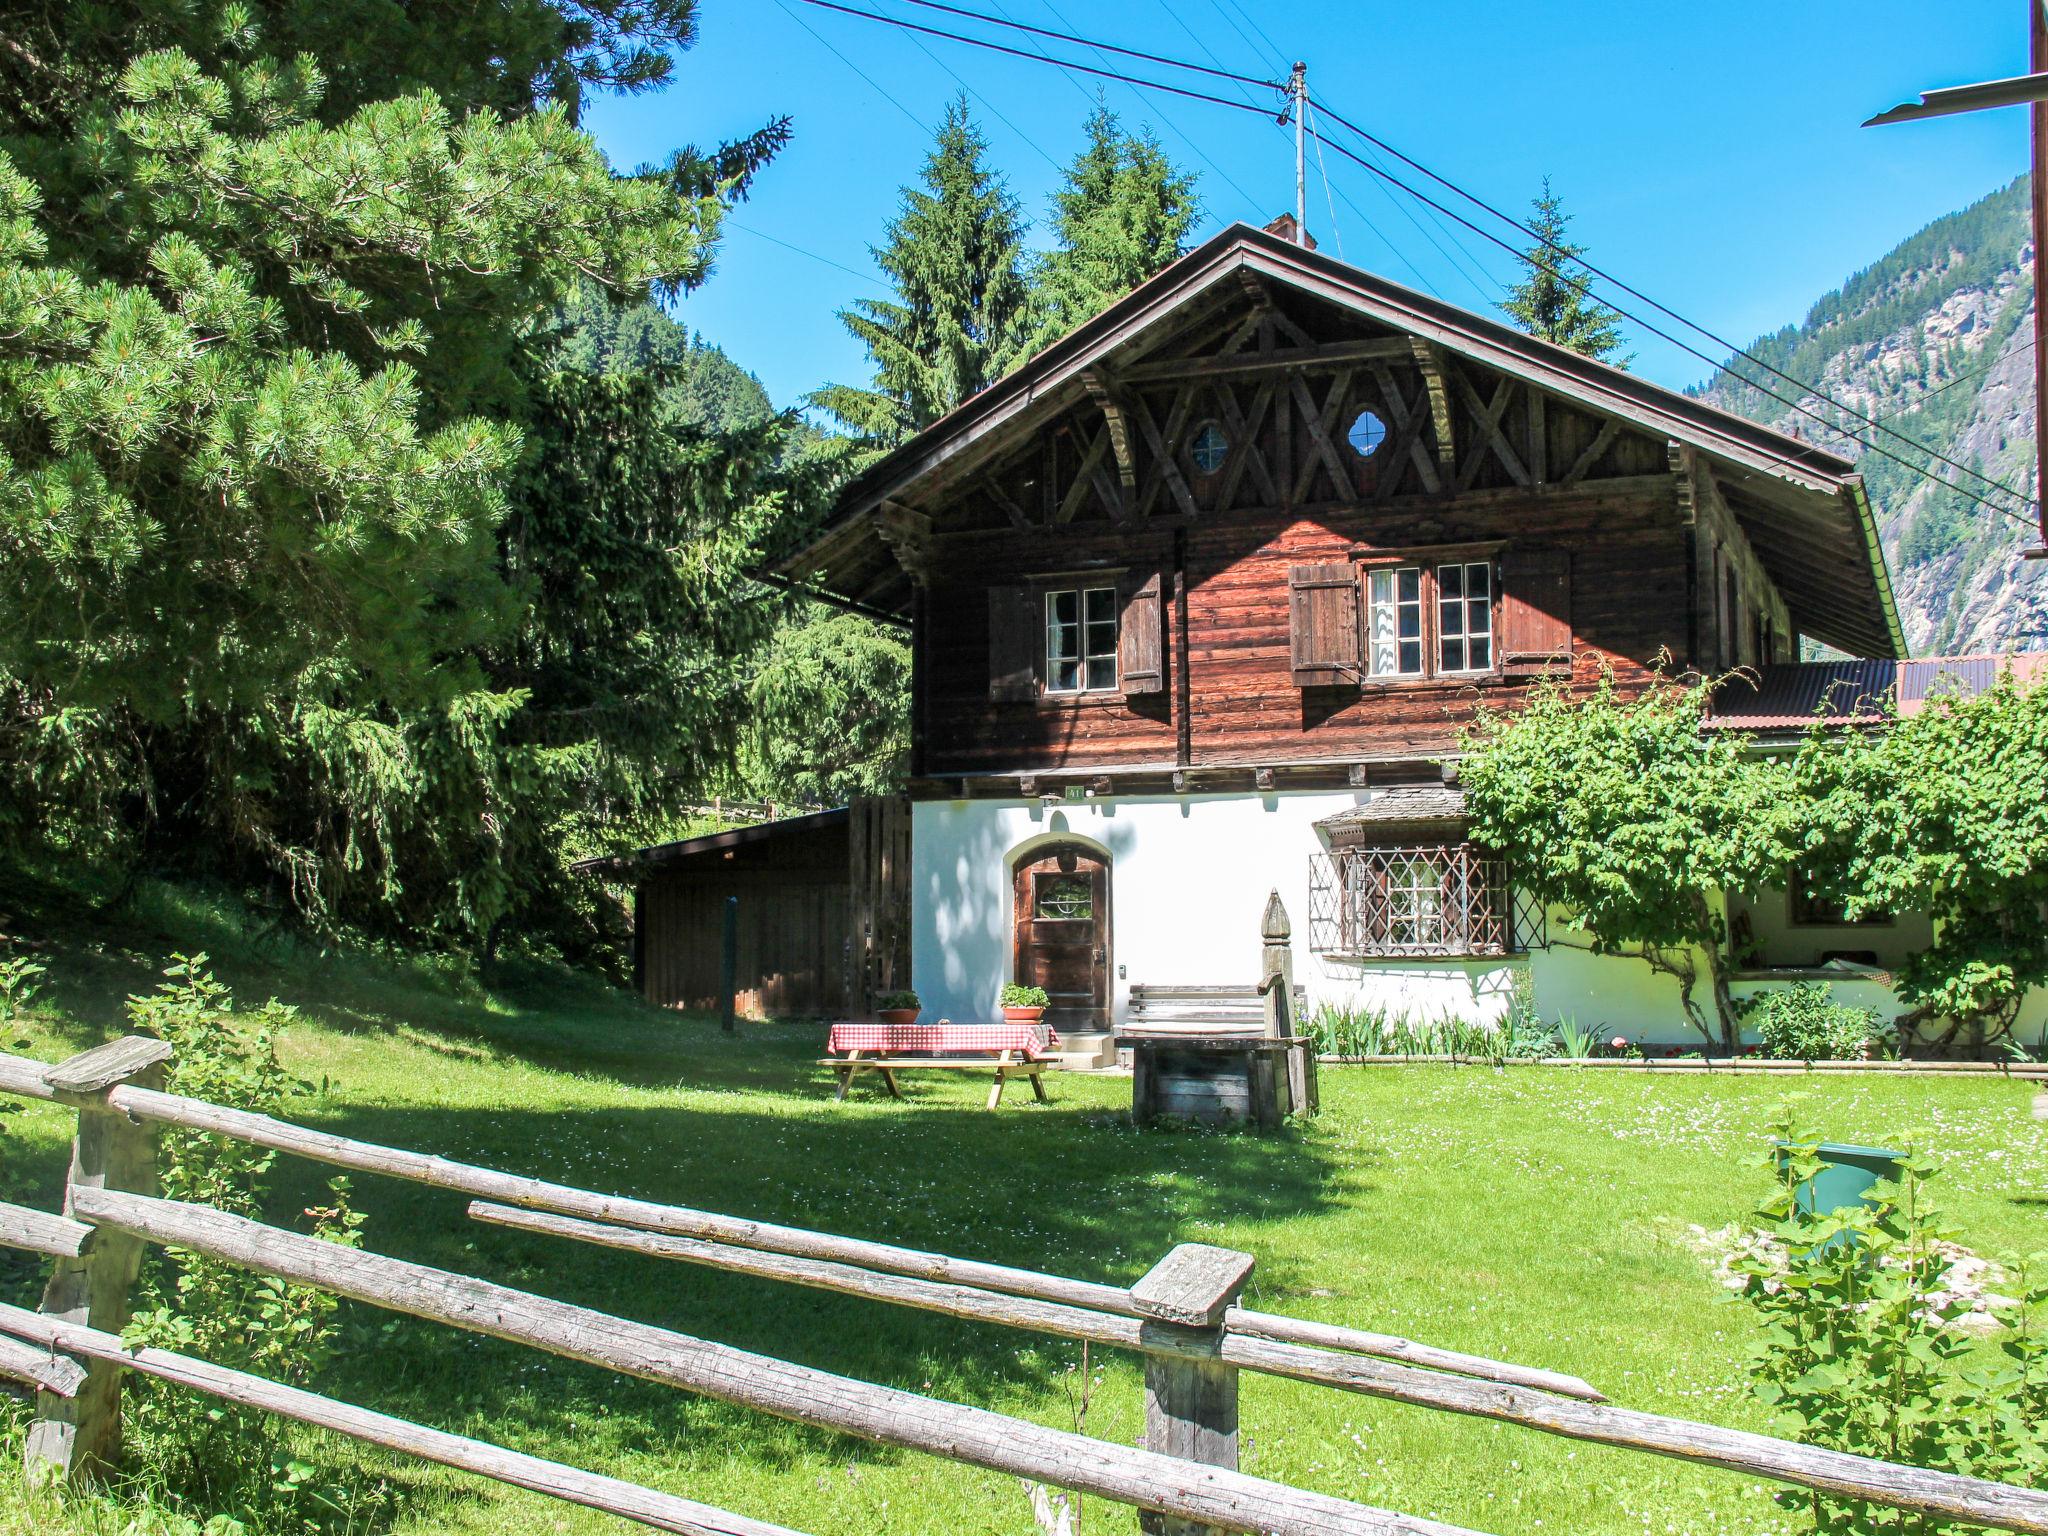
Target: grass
(1539,1216)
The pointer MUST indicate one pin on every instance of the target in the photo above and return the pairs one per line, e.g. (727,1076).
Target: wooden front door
(1062,917)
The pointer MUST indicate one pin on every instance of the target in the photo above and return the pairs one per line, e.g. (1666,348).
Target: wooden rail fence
(1183,1318)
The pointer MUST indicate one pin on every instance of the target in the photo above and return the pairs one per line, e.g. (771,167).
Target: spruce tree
(955,256)
(1546,304)
(1124,211)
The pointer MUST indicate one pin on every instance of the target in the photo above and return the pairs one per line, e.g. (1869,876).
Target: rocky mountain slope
(1934,341)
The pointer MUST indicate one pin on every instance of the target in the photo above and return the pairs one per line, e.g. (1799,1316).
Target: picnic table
(1013,1050)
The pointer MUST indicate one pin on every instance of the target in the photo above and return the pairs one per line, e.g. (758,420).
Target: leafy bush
(1855,1348)
(1802,1022)
(1016,995)
(200,1449)
(905,998)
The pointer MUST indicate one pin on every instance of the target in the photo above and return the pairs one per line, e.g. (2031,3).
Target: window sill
(1408,957)
(1094,699)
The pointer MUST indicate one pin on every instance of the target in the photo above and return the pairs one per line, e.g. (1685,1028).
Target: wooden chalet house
(1202,596)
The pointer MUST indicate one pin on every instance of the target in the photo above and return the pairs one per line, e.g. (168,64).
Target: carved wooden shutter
(1323,630)
(1536,610)
(1016,633)
(1141,638)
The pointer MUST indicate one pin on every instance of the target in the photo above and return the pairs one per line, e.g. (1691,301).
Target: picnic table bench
(1013,1050)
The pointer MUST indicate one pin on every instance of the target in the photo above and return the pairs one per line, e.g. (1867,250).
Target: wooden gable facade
(1269,516)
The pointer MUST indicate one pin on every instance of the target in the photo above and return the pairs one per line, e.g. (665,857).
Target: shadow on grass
(1071,1189)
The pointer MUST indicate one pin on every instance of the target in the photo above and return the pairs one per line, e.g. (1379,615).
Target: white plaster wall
(1189,875)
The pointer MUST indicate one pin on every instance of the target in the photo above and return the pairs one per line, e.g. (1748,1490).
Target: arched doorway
(1060,892)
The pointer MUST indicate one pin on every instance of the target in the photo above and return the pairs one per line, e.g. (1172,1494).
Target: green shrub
(1577,1040)
(1855,1349)
(1802,1022)
(905,998)
(198,1449)
(1016,995)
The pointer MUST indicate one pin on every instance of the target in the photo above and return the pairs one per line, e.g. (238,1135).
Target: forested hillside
(1934,341)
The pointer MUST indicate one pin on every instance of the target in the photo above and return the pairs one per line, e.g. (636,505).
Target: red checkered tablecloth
(1034,1040)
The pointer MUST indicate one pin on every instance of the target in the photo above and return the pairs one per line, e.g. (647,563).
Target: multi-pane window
(1080,640)
(1423,899)
(1394,622)
(1464,617)
(1430,621)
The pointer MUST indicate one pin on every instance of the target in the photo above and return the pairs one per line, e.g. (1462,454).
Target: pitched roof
(1793,695)
(1803,507)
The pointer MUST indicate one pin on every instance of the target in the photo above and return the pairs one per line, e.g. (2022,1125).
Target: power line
(1037,58)
(1582,288)
(1586,291)
(1181,133)
(1733,349)
(991,107)
(1323,167)
(1946,385)
(762,234)
(842,58)
(1068,37)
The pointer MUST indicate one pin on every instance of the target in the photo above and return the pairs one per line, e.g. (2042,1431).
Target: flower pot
(1022,1015)
(898,1015)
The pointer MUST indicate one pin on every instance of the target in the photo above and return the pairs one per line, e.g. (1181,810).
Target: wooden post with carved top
(1190,1400)
(78,1438)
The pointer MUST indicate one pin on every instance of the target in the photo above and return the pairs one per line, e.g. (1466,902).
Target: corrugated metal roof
(1791,695)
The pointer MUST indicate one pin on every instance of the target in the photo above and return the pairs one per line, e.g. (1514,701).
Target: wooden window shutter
(1323,628)
(1536,610)
(1016,634)
(1141,638)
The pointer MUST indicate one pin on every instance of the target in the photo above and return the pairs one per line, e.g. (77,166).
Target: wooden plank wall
(878,883)
(1629,600)
(793,941)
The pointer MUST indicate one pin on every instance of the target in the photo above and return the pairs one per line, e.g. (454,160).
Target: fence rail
(1182,1319)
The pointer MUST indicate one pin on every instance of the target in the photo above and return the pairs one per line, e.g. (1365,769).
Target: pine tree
(1124,211)
(1546,304)
(955,255)
(271,281)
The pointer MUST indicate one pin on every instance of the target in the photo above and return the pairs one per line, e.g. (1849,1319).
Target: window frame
(1428,561)
(1082,587)
(1455,900)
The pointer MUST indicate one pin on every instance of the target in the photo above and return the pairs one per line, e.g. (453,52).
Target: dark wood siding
(1614,560)
(823,916)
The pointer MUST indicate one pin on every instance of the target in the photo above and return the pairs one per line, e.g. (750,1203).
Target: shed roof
(709,842)
(1792,695)
(1399,805)
(1803,507)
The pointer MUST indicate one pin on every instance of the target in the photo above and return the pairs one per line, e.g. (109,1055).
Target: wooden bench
(1007,1064)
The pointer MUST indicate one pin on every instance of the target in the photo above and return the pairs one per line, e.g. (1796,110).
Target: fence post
(79,1438)
(1190,1403)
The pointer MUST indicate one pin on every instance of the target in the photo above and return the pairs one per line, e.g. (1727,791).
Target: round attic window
(1366,434)
(1209,449)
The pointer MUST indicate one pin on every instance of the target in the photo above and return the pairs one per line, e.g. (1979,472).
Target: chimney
(1285,228)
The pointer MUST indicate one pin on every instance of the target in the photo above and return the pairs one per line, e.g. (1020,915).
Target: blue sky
(1710,152)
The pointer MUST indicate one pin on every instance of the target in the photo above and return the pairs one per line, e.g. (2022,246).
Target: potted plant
(1023,1005)
(897,1007)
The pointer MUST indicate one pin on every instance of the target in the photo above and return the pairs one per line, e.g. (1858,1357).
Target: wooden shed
(823,912)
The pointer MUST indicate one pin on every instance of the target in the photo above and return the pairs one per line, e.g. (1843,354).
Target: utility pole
(2029,90)
(1298,84)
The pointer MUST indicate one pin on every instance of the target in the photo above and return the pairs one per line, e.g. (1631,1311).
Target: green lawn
(1536,1215)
